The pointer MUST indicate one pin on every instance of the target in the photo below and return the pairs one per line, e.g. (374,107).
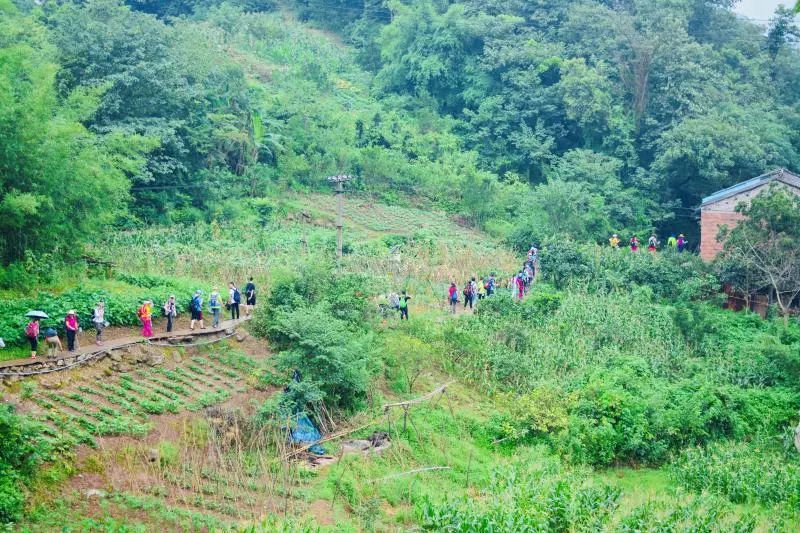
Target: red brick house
(719,209)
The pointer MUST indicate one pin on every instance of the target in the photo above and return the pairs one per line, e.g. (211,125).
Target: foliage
(61,183)
(21,451)
(548,497)
(743,473)
(527,499)
(317,318)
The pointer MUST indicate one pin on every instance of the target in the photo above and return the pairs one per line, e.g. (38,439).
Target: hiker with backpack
(652,243)
(468,294)
(681,243)
(54,345)
(403,305)
(215,304)
(234,298)
(634,243)
(32,334)
(490,284)
(170,311)
(196,308)
(250,297)
(99,321)
(145,314)
(452,296)
(71,325)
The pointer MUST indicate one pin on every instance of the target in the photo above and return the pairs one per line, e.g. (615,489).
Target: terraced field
(174,441)
(381,218)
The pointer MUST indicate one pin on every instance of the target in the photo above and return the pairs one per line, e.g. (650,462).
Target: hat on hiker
(198,291)
(71,312)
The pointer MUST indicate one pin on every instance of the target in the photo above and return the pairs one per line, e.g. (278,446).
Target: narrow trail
(121,342)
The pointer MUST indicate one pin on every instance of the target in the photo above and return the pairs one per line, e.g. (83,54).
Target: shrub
(22,449)
(332,360)
(317,319)
(539,412)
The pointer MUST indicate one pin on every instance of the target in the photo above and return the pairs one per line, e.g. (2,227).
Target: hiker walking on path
(468,294)
(403,305)
(99,320)
(234,298)
(170,311)
(215,304)
(614,241)
(72,326)
(481,290)
(681,243)
(672,242)
(634,244)
(250,297)
(146,316)
(32,333)
(521,285)
(452,296)
(652,243)
(196,308)
(490,283)
(54,345)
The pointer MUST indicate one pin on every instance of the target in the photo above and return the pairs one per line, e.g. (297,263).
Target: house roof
(779,174)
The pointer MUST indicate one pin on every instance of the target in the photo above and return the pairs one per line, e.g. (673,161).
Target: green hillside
(152,148)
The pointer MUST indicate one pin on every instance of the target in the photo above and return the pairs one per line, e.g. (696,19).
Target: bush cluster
(317,320)
(669,275)
(615,378)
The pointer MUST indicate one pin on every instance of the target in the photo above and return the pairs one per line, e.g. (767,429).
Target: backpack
(196,304)
(140,312)
(212,302)
(468,289)
(237,297)
(30,330)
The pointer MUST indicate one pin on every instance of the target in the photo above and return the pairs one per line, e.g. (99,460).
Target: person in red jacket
(32,333)
(72,326)
(452,296)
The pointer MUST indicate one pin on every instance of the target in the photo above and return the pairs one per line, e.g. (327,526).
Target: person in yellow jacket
(614,241)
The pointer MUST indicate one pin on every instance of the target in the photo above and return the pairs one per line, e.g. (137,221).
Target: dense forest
(564,117)
(156,148)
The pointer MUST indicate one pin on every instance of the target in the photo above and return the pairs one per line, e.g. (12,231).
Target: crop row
(122,407)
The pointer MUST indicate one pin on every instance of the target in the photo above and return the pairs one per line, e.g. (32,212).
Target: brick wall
(710,221)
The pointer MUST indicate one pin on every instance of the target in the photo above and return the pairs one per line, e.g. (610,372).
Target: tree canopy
(162,112)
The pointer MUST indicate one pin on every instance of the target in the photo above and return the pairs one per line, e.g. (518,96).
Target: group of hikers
(145,314)
(675,243)
(472,291)
(519,284)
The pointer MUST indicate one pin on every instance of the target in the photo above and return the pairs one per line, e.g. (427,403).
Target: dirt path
(119,337)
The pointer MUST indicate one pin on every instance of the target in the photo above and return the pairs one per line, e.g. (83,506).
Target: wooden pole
(339,217)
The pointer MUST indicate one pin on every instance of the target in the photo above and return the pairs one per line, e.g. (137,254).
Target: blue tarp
(304,432)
